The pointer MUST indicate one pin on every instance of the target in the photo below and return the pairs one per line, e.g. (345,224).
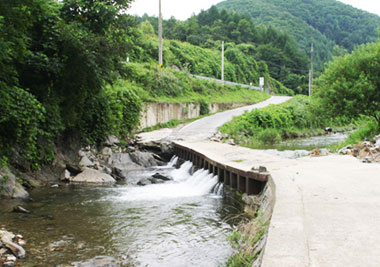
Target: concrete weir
(250,182)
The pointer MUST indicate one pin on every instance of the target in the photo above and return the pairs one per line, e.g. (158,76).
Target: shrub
(203,108)
(21,118)
(269,136)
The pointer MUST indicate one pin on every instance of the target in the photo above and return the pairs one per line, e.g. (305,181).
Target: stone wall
(155,113)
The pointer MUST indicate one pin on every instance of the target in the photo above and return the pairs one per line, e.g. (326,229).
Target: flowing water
(183,222)
(299,147)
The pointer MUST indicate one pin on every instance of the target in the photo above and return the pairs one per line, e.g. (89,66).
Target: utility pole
(222,78)
(160,61)
(311,70)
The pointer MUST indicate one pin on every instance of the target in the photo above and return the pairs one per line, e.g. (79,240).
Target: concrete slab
(327,210)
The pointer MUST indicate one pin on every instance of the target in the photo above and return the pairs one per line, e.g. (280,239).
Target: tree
(350,86)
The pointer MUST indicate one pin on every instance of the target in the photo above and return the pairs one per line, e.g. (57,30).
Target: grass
(244,239)
(367,128)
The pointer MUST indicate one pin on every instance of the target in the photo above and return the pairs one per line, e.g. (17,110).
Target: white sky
(183,9)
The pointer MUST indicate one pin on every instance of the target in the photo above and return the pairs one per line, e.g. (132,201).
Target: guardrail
(227,82)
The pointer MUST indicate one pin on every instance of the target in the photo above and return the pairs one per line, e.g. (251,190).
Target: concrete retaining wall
(155,113)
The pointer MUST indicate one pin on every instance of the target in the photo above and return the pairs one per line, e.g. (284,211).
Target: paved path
(327,210)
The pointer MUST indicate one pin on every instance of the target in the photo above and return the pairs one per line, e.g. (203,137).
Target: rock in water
(91,176)
(6,239)
(20,209)
(10,186)
(161,177)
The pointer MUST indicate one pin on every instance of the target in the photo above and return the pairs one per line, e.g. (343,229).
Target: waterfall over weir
(184,184)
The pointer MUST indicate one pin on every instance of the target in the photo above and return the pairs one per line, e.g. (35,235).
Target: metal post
(160,61)
(311,70)
(222,78)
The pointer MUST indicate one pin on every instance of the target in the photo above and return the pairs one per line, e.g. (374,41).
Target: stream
(178,223)
(300,147)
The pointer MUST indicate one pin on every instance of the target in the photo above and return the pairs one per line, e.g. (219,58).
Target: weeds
(244,240)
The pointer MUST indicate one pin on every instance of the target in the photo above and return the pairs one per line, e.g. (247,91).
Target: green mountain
(328,24)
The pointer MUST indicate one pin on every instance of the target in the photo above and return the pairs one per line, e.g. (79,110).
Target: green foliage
(244,240)
(239,67)
(203,107)
(269,125)
(3,162)
(350,86)
(55,59)
(126,108)
(246,46)
(366,129)
(269,136)
(21,120)
(325,23)
(147,81)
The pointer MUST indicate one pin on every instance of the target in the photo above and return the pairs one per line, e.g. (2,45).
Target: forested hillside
(328,24)
(276,49)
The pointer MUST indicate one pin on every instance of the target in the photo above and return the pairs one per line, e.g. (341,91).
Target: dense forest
(55,60)
(330,25)
(286,63)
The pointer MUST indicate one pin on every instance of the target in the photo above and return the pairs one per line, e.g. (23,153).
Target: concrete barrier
(249,182)
(156,112)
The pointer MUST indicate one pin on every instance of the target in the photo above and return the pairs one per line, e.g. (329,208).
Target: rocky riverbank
(115,161)
(367,152)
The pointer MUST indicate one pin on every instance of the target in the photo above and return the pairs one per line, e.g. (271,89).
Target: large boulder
(91,176)
(122,165)
(10,187)
(146,159)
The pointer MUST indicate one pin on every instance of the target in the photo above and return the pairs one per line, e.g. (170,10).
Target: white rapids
(184,184)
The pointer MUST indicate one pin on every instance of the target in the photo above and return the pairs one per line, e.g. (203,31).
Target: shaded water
(179,223)
(299,147)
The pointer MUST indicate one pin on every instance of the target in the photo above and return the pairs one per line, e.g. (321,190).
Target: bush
(203,108)
(269,125)
(22,117)
(126,107)
(269,136)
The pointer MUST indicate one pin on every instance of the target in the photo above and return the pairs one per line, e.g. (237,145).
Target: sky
(183,9)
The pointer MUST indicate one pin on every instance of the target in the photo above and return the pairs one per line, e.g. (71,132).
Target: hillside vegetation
(346,94)
(328,24)
(271,48)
